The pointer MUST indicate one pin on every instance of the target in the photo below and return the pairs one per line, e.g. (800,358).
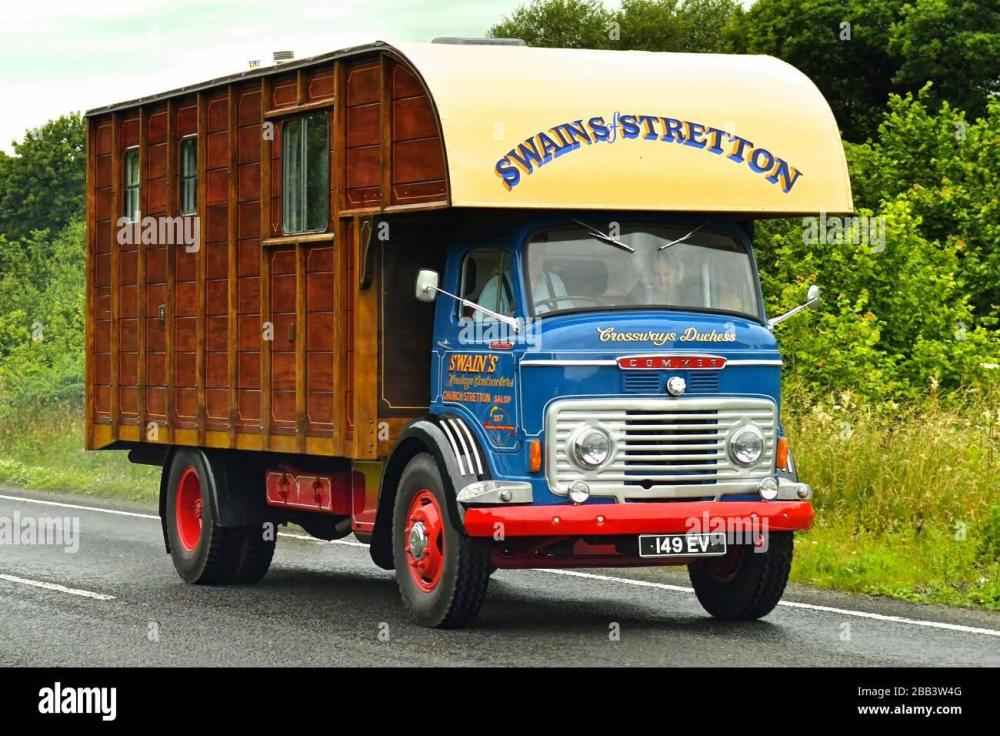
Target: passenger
(545,286)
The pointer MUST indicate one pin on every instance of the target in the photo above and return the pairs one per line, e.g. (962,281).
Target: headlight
(591,447)
(746,445)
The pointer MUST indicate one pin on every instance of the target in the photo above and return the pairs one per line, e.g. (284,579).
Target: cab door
(475,350)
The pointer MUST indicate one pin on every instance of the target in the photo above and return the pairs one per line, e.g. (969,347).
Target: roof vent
(254,63)
(480,41)
(281,57)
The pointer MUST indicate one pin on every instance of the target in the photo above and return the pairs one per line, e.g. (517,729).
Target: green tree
(645,25)
(842,46)
(949,171)
(42,317)
(955,44)
(558,24)
(42,185)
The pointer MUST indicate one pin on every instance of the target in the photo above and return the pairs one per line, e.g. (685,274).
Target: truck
(482,306)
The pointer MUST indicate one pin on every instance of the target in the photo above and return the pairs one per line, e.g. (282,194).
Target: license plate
(682,545)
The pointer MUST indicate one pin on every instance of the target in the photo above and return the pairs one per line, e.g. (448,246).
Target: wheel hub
(418,540)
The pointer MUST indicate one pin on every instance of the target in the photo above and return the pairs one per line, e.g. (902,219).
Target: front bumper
(637,518)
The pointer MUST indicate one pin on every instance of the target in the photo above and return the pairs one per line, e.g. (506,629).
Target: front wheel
(746,583)
(442,574)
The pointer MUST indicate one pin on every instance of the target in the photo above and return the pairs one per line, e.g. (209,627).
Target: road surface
(116,601)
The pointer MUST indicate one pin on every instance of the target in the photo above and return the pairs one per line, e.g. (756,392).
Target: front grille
(664,448)
(703,382)
(653,382)
(679,447)
(642,382)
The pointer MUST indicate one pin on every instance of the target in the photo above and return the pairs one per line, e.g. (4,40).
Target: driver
(663,285)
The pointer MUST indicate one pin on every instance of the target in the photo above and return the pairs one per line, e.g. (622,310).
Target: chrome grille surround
(663,448)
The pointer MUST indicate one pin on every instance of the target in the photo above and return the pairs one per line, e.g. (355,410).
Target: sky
(58,56)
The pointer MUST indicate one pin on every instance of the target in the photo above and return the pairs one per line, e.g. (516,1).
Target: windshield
(568,268)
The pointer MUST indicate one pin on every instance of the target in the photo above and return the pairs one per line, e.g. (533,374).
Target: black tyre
(202,551)
(441,573)
(744,584)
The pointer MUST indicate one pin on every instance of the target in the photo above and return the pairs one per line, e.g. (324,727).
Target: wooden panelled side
(364,356)
(155,265)
(418,166)
(363,150)
(185,288)
(216,260)
(350,299)
(103,242)
(319,339)
(176,334)
(248,259)
(140,276)
(124,286)
(283,318)
(265,230)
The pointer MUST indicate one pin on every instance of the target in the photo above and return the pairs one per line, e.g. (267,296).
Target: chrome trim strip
(546,361)
(614,362)
(454,446)
(488,492)
(788,490)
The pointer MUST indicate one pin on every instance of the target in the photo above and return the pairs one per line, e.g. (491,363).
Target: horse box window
(189,175)
(305,178)
(130,200)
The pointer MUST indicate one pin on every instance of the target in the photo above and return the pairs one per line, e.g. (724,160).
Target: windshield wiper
(595,233)
(682,238)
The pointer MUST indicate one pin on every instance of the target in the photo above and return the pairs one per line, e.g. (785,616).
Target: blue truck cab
(606,392)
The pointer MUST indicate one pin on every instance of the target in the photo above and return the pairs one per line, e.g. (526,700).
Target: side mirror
(427,285)
(812,299)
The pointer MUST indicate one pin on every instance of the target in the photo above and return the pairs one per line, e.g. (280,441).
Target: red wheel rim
(726,567)
(424,539)
(189,509)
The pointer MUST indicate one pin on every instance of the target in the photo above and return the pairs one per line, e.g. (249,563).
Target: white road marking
(57,588)
(98,509)
(572,573)
(75,506)
(789,604)
(306,537)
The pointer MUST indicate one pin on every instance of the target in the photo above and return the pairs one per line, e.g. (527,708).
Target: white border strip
(454,446)
(473,450)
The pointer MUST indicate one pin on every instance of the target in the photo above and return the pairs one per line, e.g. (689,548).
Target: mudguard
(459,456)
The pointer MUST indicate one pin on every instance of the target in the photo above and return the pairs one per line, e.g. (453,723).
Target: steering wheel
(553,301)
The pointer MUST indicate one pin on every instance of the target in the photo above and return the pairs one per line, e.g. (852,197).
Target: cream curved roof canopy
(569,128)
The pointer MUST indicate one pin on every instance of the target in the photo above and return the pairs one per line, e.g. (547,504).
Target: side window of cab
(488,280)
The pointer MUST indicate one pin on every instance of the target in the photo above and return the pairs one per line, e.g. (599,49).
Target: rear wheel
(202,551)
(442,574)
(745,583)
